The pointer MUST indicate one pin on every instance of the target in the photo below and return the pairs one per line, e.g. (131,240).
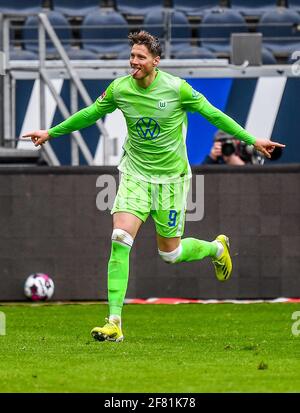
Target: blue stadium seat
(60,25)
(19,54)
(21,6)
(73,8)
(181,32)
(267,57)
(125,53)
(194,52)
(279,29)
(155,23)
(137,7)
(105,33)
(253,8)
(216,27)
(81,54)
(64,32)
(294,5)
(195,7)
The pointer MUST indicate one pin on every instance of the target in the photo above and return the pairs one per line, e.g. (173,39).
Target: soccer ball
(39,287)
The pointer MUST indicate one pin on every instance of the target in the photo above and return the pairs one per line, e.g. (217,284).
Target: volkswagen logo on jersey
(147,128)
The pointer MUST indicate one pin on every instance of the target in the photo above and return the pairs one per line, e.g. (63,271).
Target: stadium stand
(253,8)
(73,8)
(64,32)
(59,23)
(138,8)
(180,32)
(20,6)
(267,57)
(294,5)
(280,29)
(217,22)
(104,33)
(194,52)
(194,7)
(156,23)
(125,53)
(216,27)
(20,54)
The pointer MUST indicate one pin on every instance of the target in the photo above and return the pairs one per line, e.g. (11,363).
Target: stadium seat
(181,32)
(156,22)
(267,57)
(194,52)
(253,8)
(280,31)
(104,33)
(81,54)
(216,27)
(30,32)
(125,53)
(21,6)
(19,54)
(194,7)
(137,7)
(294,5)
(73,8)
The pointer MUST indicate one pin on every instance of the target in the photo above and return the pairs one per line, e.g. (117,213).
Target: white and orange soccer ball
(39,287)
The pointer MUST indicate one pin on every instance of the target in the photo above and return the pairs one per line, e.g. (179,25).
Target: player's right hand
(38,137)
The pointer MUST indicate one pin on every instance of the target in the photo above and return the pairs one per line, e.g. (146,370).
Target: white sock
(116,319)
(220,248)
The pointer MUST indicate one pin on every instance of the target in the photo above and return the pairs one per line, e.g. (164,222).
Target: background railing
(46,69)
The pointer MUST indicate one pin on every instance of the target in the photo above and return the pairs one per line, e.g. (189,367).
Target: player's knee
(170,257)
(122,237)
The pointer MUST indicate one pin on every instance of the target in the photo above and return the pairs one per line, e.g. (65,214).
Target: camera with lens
(228,146)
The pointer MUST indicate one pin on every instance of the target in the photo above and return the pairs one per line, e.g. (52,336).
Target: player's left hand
(266,146)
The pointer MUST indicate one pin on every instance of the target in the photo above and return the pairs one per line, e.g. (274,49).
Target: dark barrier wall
(49,223)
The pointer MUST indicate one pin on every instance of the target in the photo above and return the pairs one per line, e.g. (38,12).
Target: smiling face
(142,62)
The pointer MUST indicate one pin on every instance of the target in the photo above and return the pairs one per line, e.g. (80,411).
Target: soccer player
(154,167)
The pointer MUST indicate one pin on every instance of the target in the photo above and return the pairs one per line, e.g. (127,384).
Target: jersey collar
(147,89)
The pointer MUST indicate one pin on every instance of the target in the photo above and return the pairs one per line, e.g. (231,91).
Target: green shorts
(166,203)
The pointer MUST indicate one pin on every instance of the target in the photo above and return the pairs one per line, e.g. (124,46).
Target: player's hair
(151,42)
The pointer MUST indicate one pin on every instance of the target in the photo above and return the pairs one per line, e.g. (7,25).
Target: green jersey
(156,117)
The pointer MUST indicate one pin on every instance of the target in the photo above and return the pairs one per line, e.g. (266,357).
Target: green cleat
(109,332)
(223,264)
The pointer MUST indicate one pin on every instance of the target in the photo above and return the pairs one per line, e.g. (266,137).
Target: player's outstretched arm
(266,146)
(38,137)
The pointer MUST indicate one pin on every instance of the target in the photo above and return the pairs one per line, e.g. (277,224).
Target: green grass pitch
(167,348)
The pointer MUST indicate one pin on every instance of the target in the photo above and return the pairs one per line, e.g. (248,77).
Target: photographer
(228,151)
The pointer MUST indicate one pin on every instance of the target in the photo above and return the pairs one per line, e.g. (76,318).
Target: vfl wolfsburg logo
(147,128)
(162,104)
